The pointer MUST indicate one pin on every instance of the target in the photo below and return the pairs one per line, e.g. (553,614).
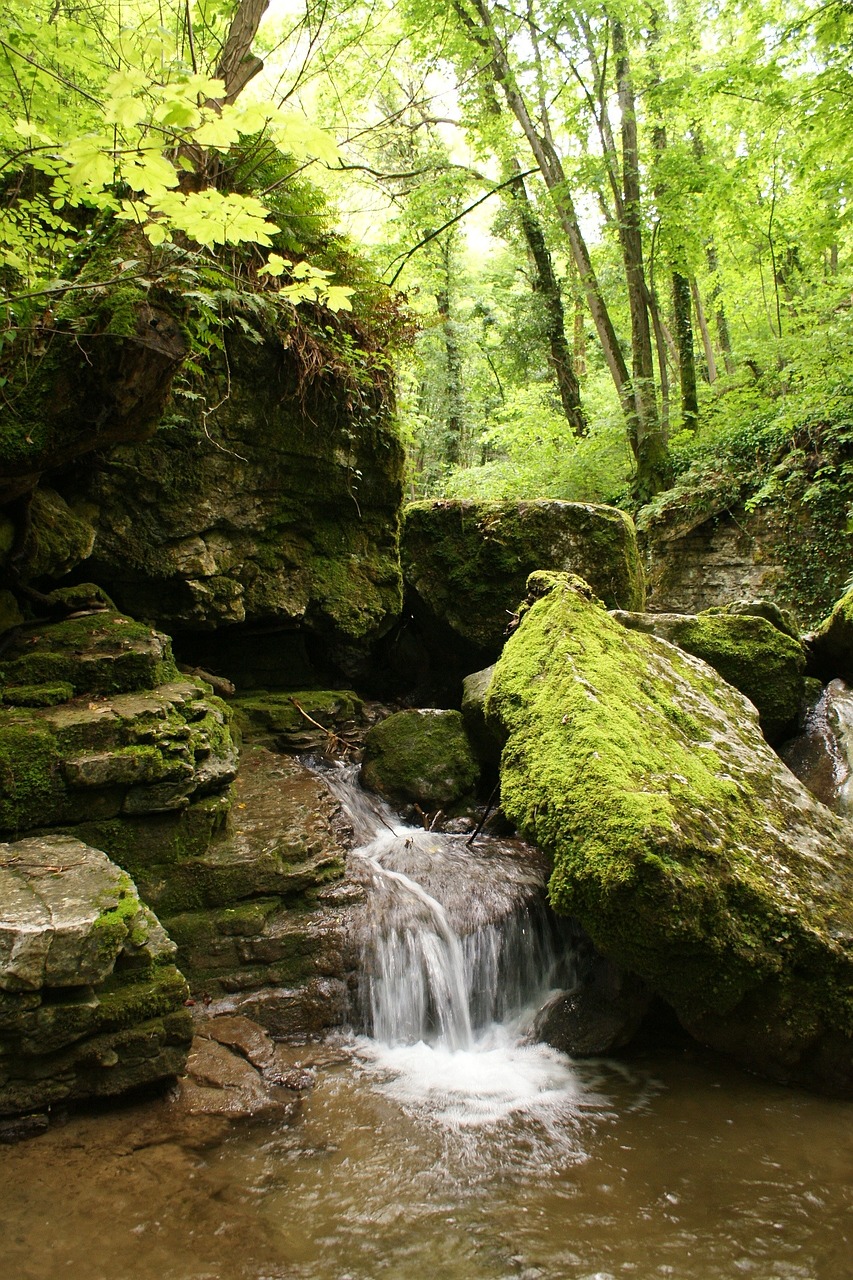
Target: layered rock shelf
(91,1003)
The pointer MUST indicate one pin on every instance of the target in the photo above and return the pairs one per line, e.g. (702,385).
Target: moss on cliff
(466,562)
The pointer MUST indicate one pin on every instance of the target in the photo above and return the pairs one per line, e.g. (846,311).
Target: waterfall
(822,756)
(457,937)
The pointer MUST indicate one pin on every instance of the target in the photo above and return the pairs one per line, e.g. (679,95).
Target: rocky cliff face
(275,513)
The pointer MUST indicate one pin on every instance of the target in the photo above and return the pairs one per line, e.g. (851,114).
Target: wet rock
(831,646)
(600,1015)
(822,755)
(750,652)
(465,564)
(262,913)
(420,756)
(91,1004)
(688,852)
(302,720)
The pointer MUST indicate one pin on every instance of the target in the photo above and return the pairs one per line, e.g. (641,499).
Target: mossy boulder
(750,652)
(831,646)
(56,539)
(99,652)
(280,512)
(420,757)
(302,720)
(98,757)
(687,851)
(465,564)
(91,1003)
(481,735)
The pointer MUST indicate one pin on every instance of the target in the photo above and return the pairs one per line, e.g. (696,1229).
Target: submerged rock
(688,852)
(421,757)
(465,564)
(750,652)
(600,1015)
(91,1004)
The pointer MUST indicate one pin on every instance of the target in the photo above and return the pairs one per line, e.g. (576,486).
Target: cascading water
(458,951)
(822,756)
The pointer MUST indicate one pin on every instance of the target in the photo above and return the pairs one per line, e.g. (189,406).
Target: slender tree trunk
(715,300)
(455,415)
(686,357)
(652,458)
(710,359)
(547,287)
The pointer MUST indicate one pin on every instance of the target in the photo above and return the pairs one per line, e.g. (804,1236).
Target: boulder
(831,646)
(755,655)
(598,1016)
(91,1003)
(421,757)
(465,564)
(481,736)
(222,523)
(684,847)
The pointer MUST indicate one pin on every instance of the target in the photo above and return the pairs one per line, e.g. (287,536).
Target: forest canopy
(624,228)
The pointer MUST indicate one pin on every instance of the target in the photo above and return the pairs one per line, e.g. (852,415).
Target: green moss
(423,757)
(623,764)
(97,653)
(754,656)
(30,782)
(467,562)
(36,695)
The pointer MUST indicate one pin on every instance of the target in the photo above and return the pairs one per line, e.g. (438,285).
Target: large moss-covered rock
(747,650)
(421,757)
(91,1003)
(689,853)
(301,720)
(279,510)
(465,563)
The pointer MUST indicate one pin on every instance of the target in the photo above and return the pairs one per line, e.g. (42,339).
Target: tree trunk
(547,287)
(686,356)
(455,414)
(652,458)
(710,359)
(237,64)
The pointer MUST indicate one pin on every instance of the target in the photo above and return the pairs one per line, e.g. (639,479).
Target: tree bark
(686,356)
(237,64)
(710,358)
(546,285)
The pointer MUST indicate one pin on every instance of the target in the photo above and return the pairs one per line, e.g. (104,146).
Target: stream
(440,1143)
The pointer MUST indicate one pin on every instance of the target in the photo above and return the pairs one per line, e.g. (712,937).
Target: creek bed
(675,1166)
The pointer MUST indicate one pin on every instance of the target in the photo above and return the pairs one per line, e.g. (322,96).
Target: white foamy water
(497,1078)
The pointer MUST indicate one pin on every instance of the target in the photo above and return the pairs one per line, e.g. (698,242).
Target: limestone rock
(688,852)
(293,524)
(95,758)
(423,757)
(57,538)
(750,652)
(480,734)
(465,563)
(831,646)
(91,1003)
(59,929)
(100,652)
(302,720)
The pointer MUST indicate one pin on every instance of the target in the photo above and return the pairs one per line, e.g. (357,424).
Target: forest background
(608,246)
